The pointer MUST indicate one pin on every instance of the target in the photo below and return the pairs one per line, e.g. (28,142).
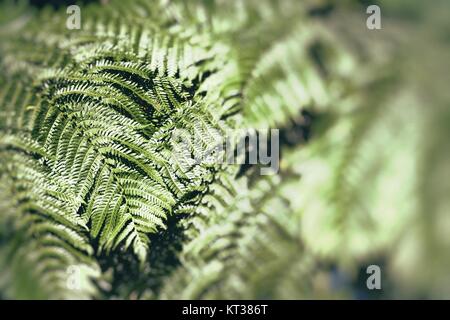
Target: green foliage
(91,182)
